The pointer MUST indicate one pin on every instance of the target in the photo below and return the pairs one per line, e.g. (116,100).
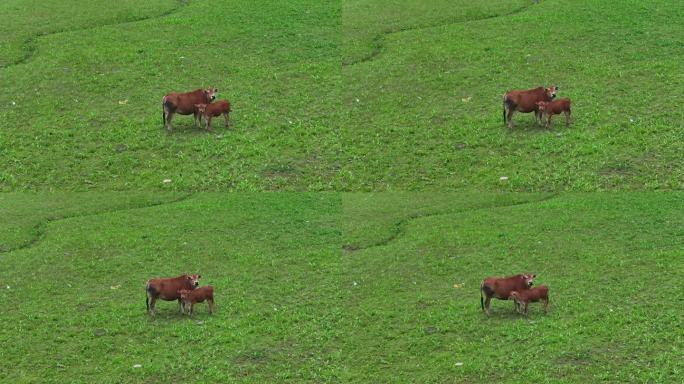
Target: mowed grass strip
(613,263)
(85,112)
(75,300)
(425,112)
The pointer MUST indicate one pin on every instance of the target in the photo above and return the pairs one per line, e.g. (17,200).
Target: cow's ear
(215,89)
(199,276)
(533,276)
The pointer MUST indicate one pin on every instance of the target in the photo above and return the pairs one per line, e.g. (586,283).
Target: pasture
(321,287)
(359,95)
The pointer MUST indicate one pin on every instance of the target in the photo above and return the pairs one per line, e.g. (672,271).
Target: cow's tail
(481,288)
(504,109)
(164,110)
(148,291)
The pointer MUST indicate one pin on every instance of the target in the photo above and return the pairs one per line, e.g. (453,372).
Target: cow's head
(541,105)
(529,279)
(211,93)
(551,92)
(201,108)
(194,280)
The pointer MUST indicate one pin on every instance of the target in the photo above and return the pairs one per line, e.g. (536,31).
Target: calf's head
(551,92)
(184,294)
(201,108)
(211,93)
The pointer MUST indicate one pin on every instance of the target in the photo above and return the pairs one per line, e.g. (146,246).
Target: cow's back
(167,288)
(184,103)
(525,100)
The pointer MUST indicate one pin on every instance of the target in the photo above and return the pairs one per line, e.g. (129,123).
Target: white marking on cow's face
(211,93)
(194,280)
(529,279)
(551,91)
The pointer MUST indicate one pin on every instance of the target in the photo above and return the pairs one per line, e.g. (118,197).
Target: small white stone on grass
(137,366)
(458,364)
(503,178)
(165,181)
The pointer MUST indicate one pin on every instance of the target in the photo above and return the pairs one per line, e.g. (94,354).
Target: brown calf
(198,296)
(169,289)
(501,287)
(184,104)
(555,107)
(523,298)
(221,107)
(525,101)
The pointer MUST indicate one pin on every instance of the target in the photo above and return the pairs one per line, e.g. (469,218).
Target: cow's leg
(567,118)
(525,308)
(180,306)
(486,304)
(153,300)
(169,117)
(225,115)
(548,122)
(509,117)
(546,305)
(211,306)
(209,123)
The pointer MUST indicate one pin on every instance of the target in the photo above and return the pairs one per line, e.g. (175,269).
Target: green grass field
(359,95)
(342,288)
(366,186)
(74,302)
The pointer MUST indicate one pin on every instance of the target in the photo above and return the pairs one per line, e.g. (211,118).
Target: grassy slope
(613,263)
(426,113)
(75,302)
(25,215)
(23,20)
(63,125)
(296,303)
(359,95)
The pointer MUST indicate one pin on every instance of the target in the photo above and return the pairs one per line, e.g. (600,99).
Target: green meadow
(359,95)
(365,188)
(330,287)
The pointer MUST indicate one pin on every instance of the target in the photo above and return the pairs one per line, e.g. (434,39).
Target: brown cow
(221,107)
(533,295)
(555,107)
(501,287)
(198,296)
(169,289)
(184,104)
(525,101)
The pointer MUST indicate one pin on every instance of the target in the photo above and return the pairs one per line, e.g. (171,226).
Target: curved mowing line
(41,228)
(30,48)
(378,41)
(400,226)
